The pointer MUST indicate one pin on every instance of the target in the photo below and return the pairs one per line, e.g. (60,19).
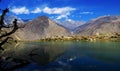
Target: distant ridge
(69,24)
(102,25)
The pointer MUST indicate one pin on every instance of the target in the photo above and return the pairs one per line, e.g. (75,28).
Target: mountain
(101,25)
(41,27)
(69,24)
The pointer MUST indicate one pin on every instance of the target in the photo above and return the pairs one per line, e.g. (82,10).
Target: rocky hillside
(41,27)
(102,25)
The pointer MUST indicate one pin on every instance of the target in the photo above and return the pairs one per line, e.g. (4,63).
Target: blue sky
(62,9)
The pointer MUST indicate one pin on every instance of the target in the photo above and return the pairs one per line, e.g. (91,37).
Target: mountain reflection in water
(62,56)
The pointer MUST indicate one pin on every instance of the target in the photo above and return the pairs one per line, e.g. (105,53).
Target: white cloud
(20,10)
(37,10)
(70,20)
(62,10)
(63,16)
(87,12)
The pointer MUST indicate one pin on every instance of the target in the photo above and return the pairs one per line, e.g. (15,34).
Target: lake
(64,56)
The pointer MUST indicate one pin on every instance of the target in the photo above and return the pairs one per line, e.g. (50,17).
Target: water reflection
(61,56)
(25,53)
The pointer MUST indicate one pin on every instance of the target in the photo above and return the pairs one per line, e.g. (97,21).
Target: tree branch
(2,18)
(15,28)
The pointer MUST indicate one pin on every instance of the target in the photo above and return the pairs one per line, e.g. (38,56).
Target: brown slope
(102,25)
(41,27)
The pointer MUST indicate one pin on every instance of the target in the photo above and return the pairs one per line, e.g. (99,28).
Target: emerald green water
(67,56)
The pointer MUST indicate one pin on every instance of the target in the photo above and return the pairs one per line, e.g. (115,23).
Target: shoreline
(76,38)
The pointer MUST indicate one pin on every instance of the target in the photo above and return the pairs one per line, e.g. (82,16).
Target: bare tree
(5,36)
